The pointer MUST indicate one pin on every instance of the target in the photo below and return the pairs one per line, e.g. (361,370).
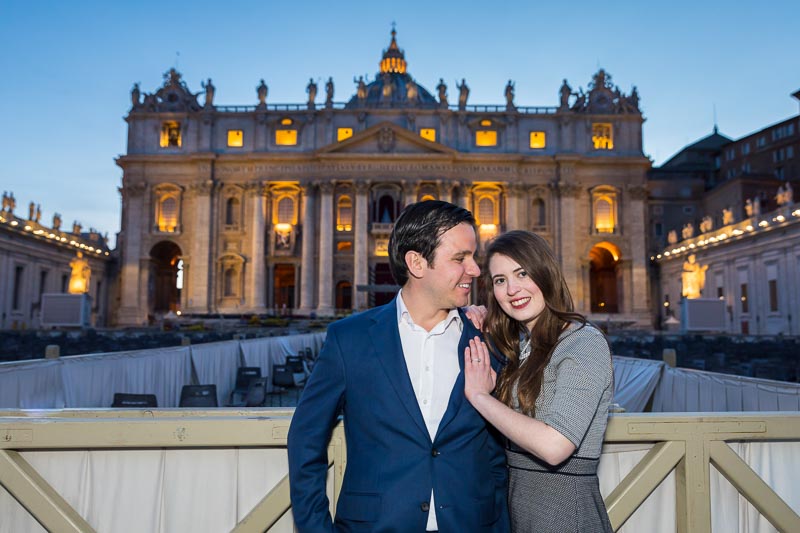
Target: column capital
(326,187)
(362,186)
(569,189)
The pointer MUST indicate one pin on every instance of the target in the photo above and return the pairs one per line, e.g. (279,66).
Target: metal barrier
(688,443)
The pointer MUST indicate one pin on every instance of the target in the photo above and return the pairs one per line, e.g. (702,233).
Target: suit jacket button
(435,452)
(425,506)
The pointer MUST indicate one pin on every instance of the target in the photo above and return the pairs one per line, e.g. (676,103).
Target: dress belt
(572,466)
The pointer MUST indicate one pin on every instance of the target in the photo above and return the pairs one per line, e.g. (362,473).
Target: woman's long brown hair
(535,256)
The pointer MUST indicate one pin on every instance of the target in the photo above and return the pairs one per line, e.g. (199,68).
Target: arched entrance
(166,271)
(603,288)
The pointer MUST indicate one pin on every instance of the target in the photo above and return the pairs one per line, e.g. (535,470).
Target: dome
(393,86)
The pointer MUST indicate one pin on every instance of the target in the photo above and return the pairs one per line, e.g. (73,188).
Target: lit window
(168,214)
(344,216)
(344,133)
(486,138)
(345,246)
(602,136)
(429,134)
(486,123)
(286,122)
(235,138)
(170,134)
(537,139)
(427,197)
(286,137)
(603,216)
(485,211)
(285,210)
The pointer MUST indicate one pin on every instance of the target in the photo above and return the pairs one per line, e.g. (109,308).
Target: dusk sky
(68,68)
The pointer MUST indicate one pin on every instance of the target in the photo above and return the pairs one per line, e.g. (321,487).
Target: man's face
(448,280)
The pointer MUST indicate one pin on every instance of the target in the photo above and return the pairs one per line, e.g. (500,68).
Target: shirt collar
(404,317)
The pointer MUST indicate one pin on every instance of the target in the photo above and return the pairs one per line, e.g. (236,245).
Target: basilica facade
(265,208)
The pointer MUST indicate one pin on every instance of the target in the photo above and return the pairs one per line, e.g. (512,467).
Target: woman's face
(515,291)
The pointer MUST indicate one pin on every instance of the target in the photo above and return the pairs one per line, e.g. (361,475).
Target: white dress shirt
(432,362)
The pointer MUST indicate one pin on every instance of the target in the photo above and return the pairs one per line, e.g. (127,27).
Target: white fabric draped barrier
(634,382)
(685,390)
(211,490)
(91,381)
(32,385)
(216,363)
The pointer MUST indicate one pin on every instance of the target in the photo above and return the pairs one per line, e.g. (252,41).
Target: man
(419,457)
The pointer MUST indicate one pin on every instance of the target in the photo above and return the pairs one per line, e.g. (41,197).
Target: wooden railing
(688,444)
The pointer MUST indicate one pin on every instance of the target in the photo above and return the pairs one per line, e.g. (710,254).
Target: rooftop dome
(393,86)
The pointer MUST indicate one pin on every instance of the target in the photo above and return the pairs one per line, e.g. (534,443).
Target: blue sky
(68,67)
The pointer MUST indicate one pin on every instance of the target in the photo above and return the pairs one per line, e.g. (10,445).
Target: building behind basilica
(249,209)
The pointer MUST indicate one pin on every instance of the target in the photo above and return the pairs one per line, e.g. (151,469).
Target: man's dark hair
(419,228)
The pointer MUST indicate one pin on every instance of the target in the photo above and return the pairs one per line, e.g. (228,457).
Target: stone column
(325,268)
(199,279)
(466,197)
(271,287)
(133,312)
(569,223)
(307,284)
(255,274)
(361,245)
(512,209)
(409,192)
(635,227)
(451,192)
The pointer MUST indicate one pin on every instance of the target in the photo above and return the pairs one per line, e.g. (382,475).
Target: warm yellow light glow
(486,122)
(429,134)
(168,214)
(780,218)
(393,64)
(537,140)
(486,138)
(286,122)
(603,136)
(488,227)
(666,254)
(282,227)
(604,214)
(14,222)
(344,246)
(170,134)
(749,228)
(286,137)
(426,198)
(763,224)
(235,138)
(28,228)
(691,245)
(344,133)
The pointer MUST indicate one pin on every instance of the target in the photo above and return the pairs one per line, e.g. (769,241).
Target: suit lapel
(457,394)
(385,337)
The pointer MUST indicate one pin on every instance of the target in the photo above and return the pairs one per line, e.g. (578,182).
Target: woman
(552,396)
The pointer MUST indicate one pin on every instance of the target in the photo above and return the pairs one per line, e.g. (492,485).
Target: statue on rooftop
(580,100)
(31,211)
(261,91)
(672,236)
(209,87)
(748,207)
(757,206)
(38,216)
(311,89)
(329,93)
(76,228)
(463,94)
(727,216)
(135,95)
(707,224)
(509,92)
(5,200)
(565,92)
(361,89)
(688,231)
(788,194)
(56,221)
(442,89)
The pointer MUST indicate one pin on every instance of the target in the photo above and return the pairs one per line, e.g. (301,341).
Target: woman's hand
(479,377)
(476,315)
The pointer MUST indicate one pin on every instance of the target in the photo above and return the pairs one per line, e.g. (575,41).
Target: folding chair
(122,399)
(244,375)
(295,364)
(282,378)
(257,393)
(199,396)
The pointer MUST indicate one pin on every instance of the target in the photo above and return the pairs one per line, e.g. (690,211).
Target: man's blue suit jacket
(392,464)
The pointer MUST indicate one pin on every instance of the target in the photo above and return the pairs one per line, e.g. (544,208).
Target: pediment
(386,138)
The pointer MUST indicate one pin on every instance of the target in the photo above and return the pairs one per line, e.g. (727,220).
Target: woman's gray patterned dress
(576,392)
